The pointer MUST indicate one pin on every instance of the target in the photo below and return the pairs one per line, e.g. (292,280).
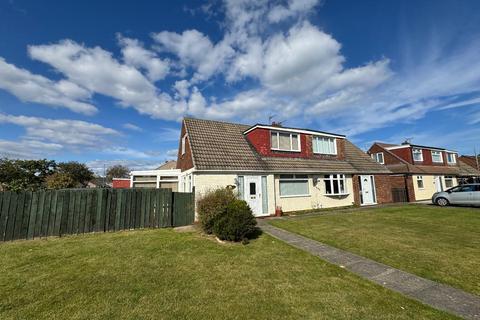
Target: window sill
(297,196)
(325,154)
(282,150)
(336,194)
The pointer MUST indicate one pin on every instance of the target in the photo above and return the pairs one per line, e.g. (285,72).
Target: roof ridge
(217,121)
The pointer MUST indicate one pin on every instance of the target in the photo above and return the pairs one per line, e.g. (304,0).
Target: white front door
(367,185)
(437,180)
(253,193)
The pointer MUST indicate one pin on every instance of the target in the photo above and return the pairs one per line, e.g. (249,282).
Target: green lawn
(159,274)
(441,244)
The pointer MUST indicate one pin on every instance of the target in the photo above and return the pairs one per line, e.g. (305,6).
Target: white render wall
(317,198)
(205,182)
(428,186)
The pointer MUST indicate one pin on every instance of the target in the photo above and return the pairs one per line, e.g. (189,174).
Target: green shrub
(237,224)
(213,205)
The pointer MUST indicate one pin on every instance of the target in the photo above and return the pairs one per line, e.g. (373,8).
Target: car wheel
(442,202)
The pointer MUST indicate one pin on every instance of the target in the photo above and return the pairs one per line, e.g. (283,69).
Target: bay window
(437,156)
(293,185)
(335,184)
(285,141)
(324,145)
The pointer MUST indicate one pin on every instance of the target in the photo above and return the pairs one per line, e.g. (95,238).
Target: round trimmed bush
(237,224)
(213,205)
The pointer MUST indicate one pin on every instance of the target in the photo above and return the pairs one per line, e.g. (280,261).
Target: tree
(25,174)
(79,172)
(117,171)
(60,180)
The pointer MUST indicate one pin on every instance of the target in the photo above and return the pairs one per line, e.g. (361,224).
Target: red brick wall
(383,189)
(120,183)
(404,181)
(404,153)
(388,158)
(260,139)
(185,161)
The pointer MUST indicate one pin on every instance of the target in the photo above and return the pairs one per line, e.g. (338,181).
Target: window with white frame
(285,141)
(324,145)
(437,156)
(293,185)
(184,138)
(417,155)
(420,182)
(451,157)
(448,181)
(378,157)
(335,184)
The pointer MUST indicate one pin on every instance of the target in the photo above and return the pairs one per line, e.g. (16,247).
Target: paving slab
(439,296)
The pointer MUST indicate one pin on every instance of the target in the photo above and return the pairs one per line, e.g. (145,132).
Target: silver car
(467,194)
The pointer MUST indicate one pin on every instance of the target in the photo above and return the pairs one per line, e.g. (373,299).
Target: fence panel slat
(58,213)
(70,213)
(33,215)
(19,215)
(4,213)
(46,214)
(64,214)
(118,209)
(37,233)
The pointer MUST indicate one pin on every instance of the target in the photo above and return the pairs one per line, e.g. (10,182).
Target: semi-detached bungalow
(420,171)
(271,166)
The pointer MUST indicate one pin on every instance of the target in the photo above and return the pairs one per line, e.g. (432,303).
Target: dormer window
(324,145)
(417,155)
(284,141)
(437,156)
(451,158)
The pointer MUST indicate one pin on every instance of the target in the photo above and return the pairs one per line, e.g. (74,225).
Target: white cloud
(182,88)
(68,133)
(131,126)
(195,49)
(30,87)
(96,70)
(294,7)
(134,54)
(98,166)
(28,149)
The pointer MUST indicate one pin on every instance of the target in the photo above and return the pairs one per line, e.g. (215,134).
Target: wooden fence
(30,215)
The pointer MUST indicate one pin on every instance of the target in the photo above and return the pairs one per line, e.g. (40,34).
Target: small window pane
(328,186)
(284,141)
(286,176)
(293,188)
(295,142)
(253,188)
(274,137)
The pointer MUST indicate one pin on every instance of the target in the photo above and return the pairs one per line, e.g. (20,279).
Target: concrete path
(437,295)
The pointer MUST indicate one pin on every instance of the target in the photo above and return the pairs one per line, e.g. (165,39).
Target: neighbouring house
(474,162)
(165,176)
(272,166)
(420,171)
(120,183)
(168,165)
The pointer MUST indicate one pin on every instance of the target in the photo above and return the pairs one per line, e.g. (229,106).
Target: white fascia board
(172,172)
(398,147)
(280,129)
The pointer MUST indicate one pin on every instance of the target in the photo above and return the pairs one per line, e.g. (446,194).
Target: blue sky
(107,82)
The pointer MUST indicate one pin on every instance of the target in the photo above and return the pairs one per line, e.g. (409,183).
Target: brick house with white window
(420,171)
(277,167)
